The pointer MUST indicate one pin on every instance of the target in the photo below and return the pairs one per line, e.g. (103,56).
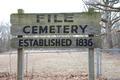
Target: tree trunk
(108,30)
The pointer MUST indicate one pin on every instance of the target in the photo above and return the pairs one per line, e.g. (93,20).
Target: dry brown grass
(48,66)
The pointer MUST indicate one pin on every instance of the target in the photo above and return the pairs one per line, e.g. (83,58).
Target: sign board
(56,42)
(56,24)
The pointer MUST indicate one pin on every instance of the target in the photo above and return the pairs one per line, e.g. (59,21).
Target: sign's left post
(20,63)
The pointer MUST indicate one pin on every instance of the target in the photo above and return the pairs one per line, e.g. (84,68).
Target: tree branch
(103,26)
(103,34)
(104,20)
(104,6)
(113,9)
(104,1)
(108,9)
(115,1)
(114,22)
(115,18)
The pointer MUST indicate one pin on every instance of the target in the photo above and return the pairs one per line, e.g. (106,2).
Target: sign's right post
(90,62)
(91,55)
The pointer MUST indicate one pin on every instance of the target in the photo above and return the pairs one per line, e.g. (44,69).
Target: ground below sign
(56,42)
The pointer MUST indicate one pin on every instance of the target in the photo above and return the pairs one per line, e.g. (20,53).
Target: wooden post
(26,63)
(97,62)
(20,63)
(91,55)
(91,62)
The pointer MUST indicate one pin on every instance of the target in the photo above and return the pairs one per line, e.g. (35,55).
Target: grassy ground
(74,66)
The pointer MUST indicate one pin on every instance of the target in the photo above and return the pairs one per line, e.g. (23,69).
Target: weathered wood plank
(53,30)
(43,18)
(56,42)
(20,21)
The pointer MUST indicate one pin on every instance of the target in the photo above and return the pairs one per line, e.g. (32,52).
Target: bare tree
(4,36)
(109,17)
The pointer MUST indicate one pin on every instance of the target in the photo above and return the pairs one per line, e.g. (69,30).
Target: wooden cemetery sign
(28,24)
(85,23)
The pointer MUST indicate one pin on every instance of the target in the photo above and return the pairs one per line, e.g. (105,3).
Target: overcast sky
(8,7)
